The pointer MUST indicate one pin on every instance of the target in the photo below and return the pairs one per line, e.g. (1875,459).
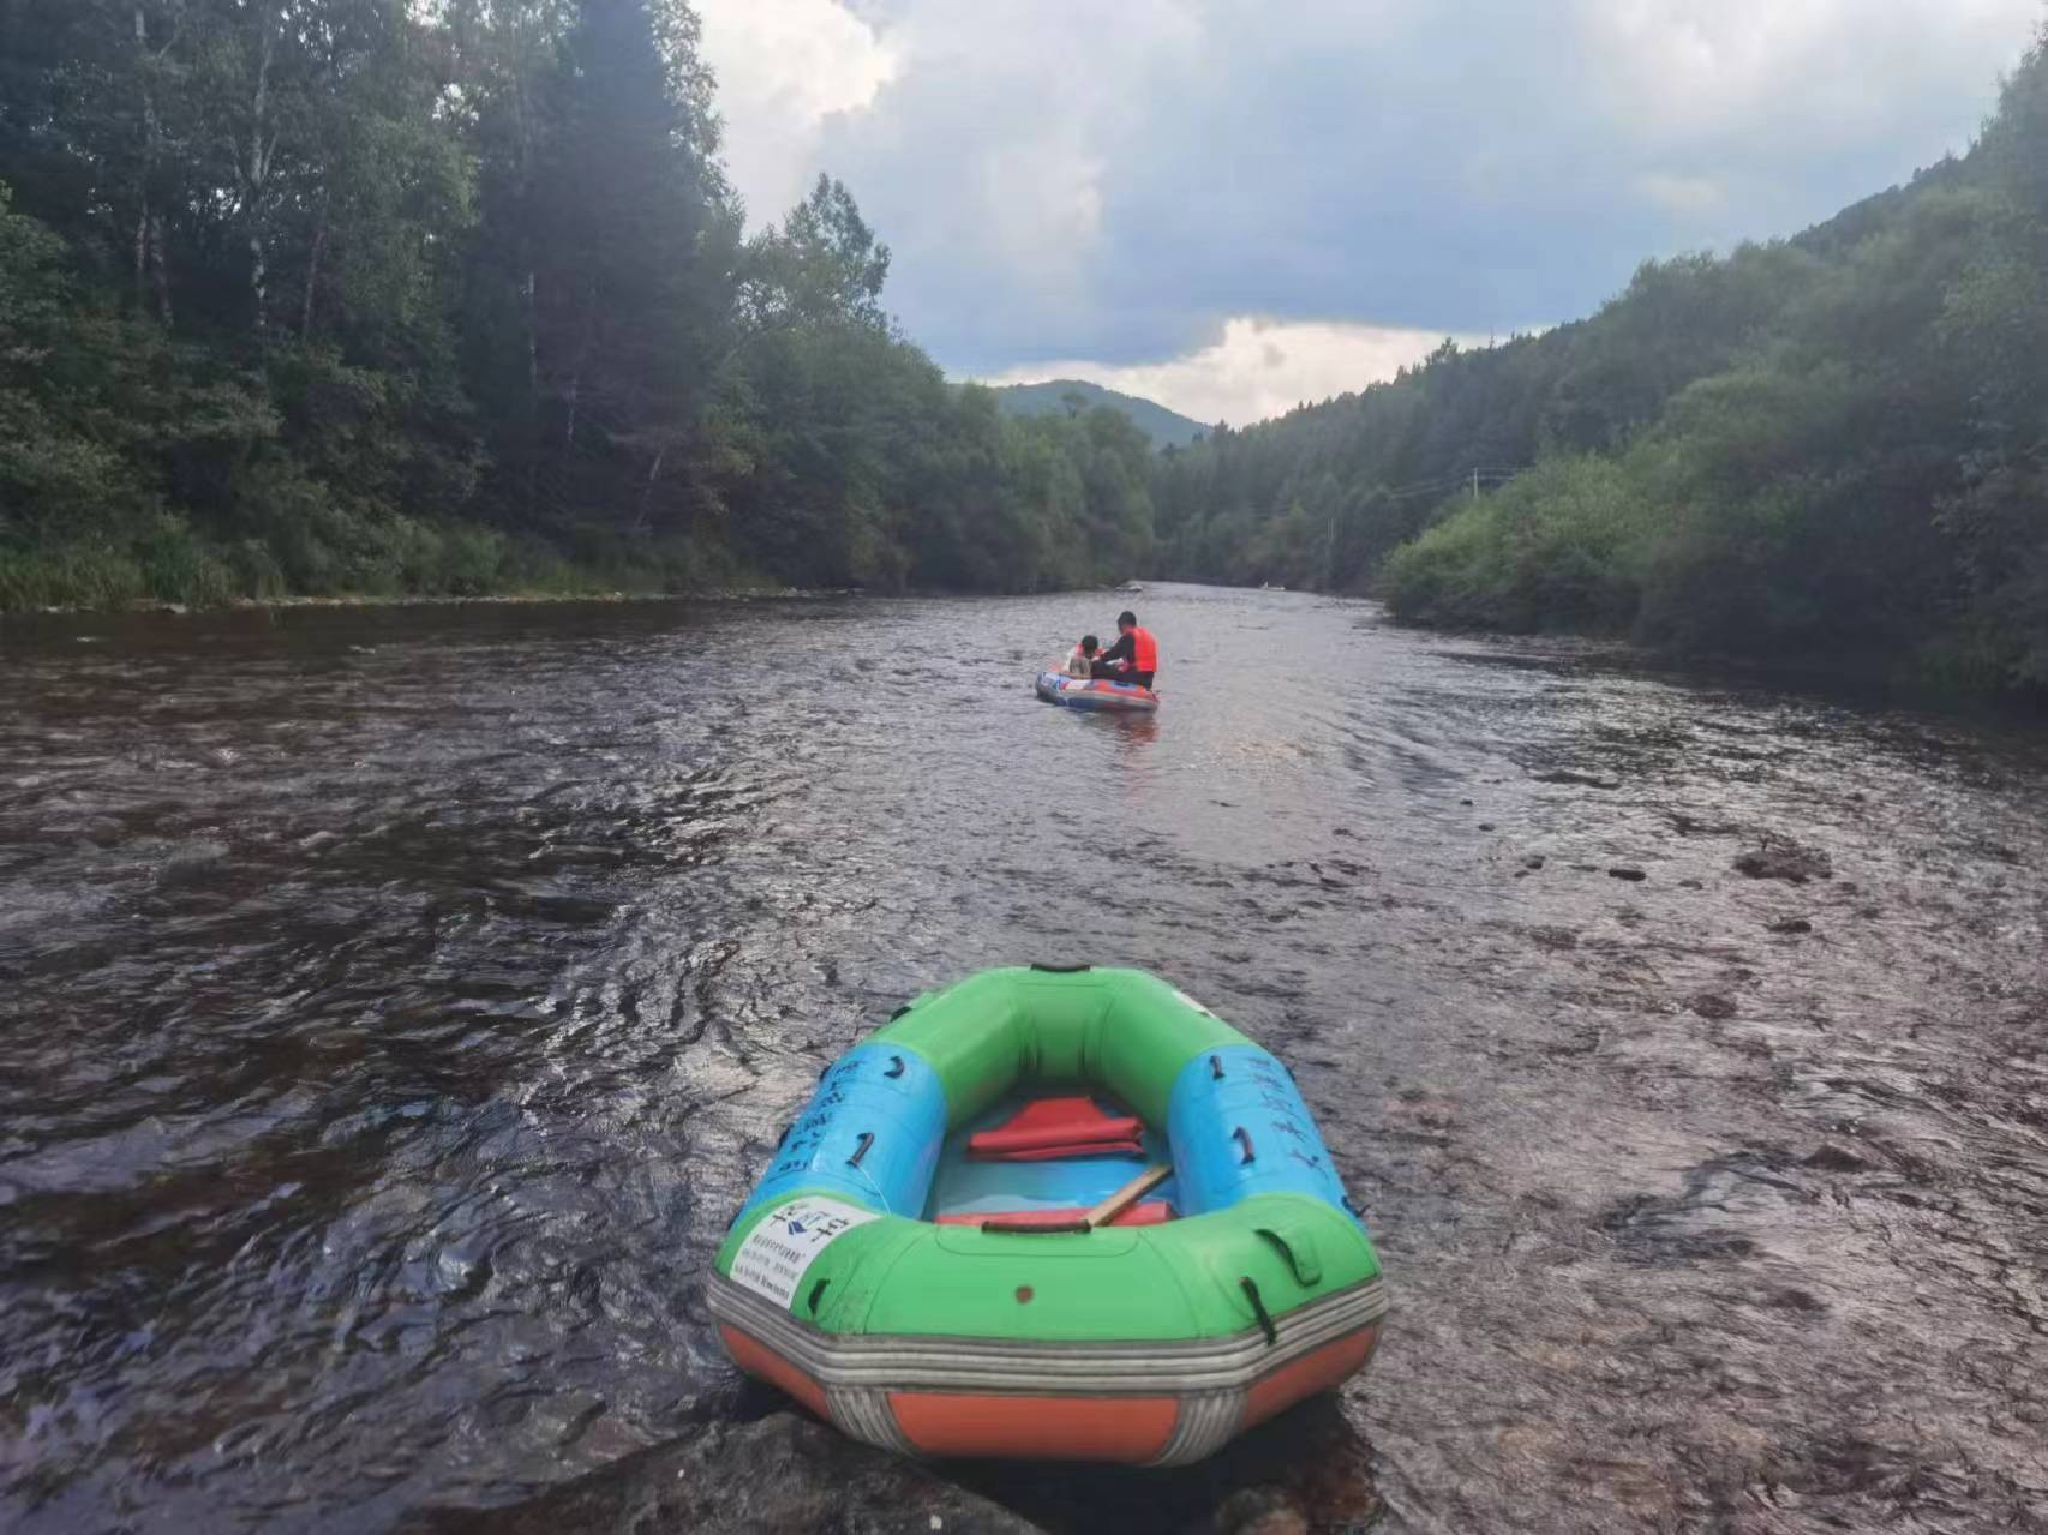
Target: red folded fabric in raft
(1052,1129)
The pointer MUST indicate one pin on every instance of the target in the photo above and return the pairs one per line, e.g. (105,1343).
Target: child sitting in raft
(1081,659)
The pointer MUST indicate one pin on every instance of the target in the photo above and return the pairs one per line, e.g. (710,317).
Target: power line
(1477,479)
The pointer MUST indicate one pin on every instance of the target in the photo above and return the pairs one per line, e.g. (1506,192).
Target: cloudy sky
(1236,205)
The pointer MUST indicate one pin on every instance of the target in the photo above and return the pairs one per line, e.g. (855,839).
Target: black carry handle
(1244,1138)
(1001,1227)
(1251,1293)
(867,1139)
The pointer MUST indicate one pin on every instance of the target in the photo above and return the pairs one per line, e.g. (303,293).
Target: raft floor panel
(963,1187)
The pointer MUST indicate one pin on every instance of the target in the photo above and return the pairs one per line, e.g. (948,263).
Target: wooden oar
(1129,1195)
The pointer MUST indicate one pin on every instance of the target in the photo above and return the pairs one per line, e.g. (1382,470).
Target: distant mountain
(1163,426)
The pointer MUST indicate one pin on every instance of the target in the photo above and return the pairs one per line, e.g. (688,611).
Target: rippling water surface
(394,1005)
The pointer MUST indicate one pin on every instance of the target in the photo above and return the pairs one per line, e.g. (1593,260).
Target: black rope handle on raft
(1251,1293)
(867,1139)
(1244,1138)
(1000,1227)
(1216,1068)
(895,1066)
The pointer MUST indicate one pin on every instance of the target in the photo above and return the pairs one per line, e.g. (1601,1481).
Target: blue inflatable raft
(1096,694)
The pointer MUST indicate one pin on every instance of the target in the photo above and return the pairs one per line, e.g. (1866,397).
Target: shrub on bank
(329,552)
(1562,547)
(88,577)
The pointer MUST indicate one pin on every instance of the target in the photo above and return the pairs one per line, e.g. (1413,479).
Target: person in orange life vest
(1080,660)
(1135,655)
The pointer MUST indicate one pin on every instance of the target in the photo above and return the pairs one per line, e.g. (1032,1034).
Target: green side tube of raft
(1127,1032)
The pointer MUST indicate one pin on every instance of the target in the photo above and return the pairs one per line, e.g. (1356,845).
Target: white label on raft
(773,1258)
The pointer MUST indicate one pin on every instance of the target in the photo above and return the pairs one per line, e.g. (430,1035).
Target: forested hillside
(1069,396)
(371,296)
(1831,448)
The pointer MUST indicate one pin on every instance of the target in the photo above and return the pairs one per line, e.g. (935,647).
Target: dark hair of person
(1127,617)
(1089,644)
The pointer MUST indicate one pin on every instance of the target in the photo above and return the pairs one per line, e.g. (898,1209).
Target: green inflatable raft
(1052,1212)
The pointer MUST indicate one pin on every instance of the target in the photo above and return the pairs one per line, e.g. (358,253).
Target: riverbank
(75,594)
(518,599)
(537,597)
(1586,545)
(1869,682)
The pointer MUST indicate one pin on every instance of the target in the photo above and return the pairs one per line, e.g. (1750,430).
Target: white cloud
(1116,179)
(1257,368)
(1040,206)
(1806,74)
(785,68)
(986,161)
(1685,196)
(1760,100)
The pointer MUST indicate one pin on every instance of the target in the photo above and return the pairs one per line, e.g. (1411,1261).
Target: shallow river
(394,1006)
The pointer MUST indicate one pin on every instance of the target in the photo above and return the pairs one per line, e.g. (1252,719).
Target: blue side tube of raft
(1094,697)
(1239,1128)
(870,1135)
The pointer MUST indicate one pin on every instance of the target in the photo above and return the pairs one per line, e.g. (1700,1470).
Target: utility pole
(1475,484)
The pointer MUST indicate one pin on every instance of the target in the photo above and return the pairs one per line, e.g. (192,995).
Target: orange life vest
(1144,651)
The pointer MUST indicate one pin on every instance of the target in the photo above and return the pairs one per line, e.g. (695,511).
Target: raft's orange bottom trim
(757,1358)
(1130,1429)
(1328,1366)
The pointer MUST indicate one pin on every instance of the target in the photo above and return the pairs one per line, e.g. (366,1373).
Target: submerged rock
(1586,780)
(1831,1158)
(1261,1511)
(783,1472)
(1307,1471)
(1782,858)
(1686,826)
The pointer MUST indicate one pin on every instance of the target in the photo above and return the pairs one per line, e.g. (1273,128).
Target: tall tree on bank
(377,295)
(634,293)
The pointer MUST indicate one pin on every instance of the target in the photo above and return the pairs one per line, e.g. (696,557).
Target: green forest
(375,297)
(385,298)
(1827,450)
(1067,396)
